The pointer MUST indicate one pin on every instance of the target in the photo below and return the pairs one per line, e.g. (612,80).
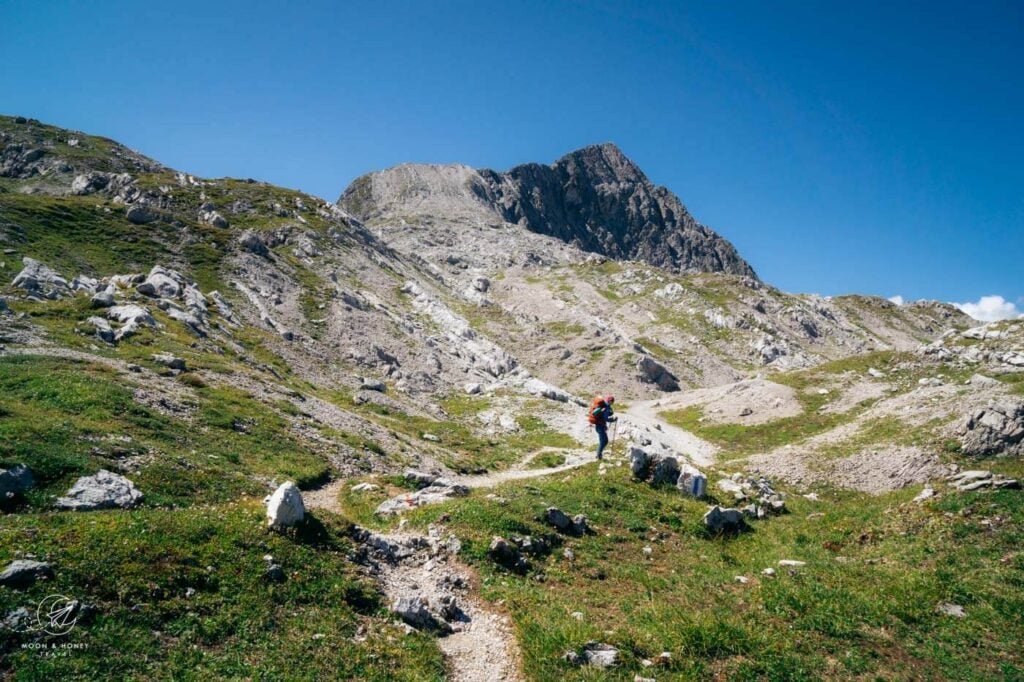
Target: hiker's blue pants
(602,439)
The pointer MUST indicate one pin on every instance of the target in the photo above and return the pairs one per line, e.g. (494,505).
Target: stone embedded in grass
(791,563)
(39,280)
(18,620)
(723,520)
(138,214)
(364,487)
(285,507)
(373,385)
(103,299)
(170,361)
(439,490)
(742,579)
(925,494)
(768,572)
(692,482)
(420,479)
(103,490)
(947,609)
(251,241)
(576,525)
(996,429)
(15,481)
(600,655)
(967,481)
(507,555)
(162,283)
(24,572)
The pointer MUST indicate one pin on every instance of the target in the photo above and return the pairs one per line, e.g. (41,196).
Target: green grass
(462,448)
(548,460)
(863,607)
(563,329)
(1015,381)
(738,440)
(135,569)
(66,419)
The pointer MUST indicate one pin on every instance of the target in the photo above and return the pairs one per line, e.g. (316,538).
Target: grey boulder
(415,612)
(723,520)
(139,214)
(103,490)
(23,572)
(15,481)
(40,280)
(651,371)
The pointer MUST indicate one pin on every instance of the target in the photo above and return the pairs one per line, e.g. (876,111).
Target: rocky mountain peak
(603,162)
(595,199)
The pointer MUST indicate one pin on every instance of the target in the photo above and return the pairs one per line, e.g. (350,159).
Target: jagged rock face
(595,199)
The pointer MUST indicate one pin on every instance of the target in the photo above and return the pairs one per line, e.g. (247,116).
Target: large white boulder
(285,507)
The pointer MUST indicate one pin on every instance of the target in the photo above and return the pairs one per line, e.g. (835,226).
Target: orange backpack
(597,402)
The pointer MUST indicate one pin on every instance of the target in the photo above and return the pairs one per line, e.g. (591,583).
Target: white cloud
(897,299)
(990,309)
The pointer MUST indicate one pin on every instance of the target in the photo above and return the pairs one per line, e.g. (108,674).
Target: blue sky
(843,147)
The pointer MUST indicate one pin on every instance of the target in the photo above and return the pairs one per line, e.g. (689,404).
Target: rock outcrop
(997,429)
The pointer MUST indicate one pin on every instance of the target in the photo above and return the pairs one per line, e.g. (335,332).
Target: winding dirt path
(645,415)
(482,646)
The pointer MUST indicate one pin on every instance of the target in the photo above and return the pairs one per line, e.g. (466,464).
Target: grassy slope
(136,567)
(863,607)
(739,440)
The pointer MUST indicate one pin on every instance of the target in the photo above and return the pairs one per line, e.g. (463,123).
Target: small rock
(742,579)
(947,609)
(364,487)
(768,572)
(274,573)
(791,563)
(925,494)
(600,655)
(473,388)
(877,374)
(169,361)
(431,437)
(577,615)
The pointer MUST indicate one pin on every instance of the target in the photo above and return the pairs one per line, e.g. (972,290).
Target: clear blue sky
(843,147)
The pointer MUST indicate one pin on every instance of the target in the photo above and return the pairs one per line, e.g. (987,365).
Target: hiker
(600,415)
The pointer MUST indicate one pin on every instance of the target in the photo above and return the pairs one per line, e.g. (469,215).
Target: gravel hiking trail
(645,415)
(482,646)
